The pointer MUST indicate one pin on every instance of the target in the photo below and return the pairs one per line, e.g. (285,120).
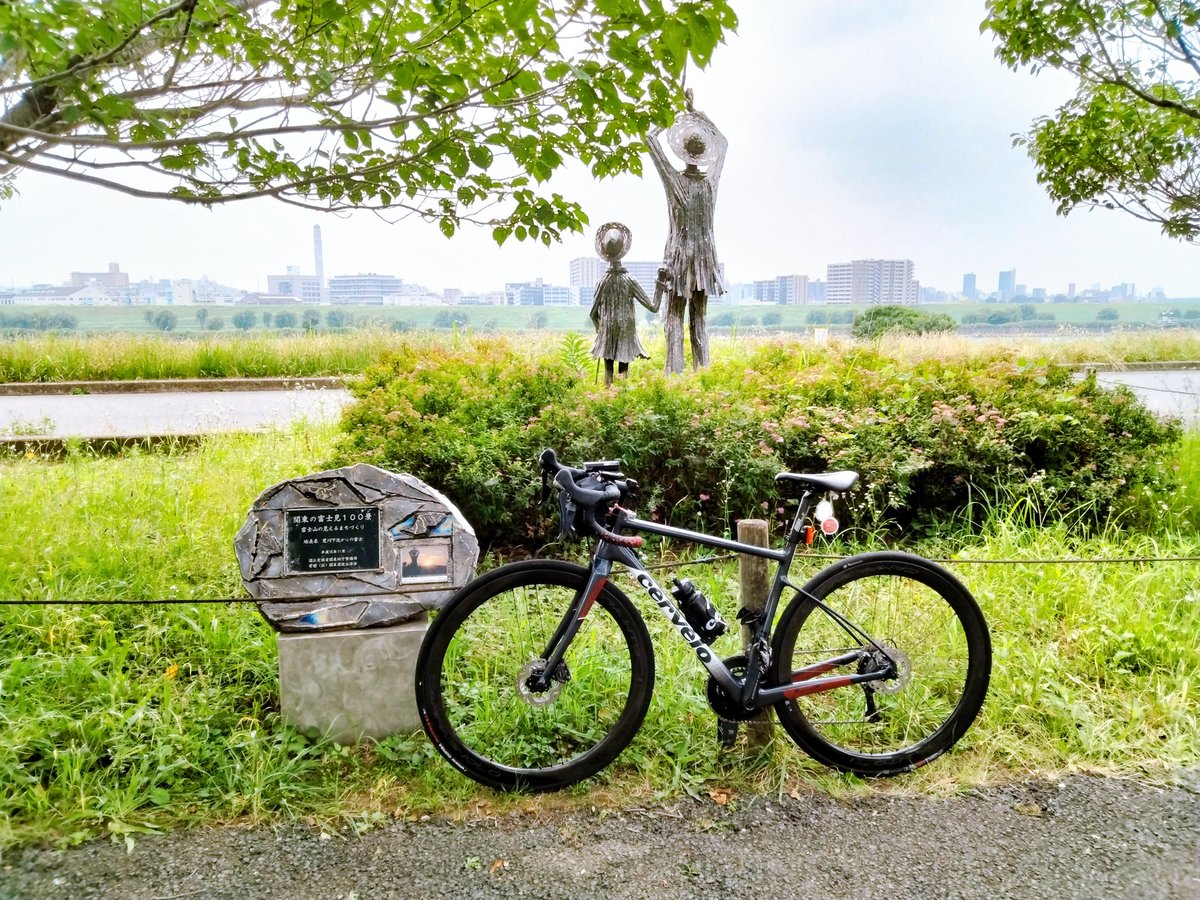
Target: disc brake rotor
(903,672)
(530,696)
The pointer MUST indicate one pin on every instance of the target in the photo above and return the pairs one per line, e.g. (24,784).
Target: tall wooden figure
(690,263)
(613,312)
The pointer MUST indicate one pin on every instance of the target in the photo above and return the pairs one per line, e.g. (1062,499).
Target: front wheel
(475,666)
(933,634)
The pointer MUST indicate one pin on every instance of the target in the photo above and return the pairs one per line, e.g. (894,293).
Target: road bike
(537,674)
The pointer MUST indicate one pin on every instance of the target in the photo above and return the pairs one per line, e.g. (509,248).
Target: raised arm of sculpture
(666,171)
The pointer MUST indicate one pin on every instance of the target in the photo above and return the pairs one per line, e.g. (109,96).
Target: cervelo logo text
(675,616)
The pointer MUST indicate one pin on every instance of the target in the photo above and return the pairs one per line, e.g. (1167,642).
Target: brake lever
(566,516)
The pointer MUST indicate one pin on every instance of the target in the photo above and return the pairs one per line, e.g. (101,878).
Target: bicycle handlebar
(589,499)
(564,477)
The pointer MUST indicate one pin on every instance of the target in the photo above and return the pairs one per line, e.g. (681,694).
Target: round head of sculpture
(693,139)
(613,241)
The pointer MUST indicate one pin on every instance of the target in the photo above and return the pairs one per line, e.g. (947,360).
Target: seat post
(796,535)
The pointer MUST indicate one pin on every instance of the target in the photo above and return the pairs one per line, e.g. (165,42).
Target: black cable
(704,560)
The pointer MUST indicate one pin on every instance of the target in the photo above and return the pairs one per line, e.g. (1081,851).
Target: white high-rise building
(871,281)
(363,290)
(586,272)
(305,288)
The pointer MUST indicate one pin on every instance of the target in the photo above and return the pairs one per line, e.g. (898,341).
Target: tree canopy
(1130,137)
(453,110)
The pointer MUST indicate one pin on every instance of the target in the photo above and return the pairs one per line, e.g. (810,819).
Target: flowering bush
(931,439)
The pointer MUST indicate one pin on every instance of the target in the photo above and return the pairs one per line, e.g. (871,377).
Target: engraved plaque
(333,539)
(355,547)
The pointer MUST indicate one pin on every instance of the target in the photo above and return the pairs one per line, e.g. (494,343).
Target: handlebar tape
(631,541)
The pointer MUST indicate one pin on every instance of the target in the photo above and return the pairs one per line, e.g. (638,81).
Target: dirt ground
(1075,837)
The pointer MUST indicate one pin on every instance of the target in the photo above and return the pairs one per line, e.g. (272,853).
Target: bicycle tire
(470,673)
(903,602)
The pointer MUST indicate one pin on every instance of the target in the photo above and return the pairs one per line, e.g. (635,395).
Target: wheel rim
(933,659)
(484,681)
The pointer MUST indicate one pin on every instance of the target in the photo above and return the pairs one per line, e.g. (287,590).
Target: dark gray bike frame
(745,691)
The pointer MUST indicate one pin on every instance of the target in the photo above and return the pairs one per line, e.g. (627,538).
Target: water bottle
(704,618)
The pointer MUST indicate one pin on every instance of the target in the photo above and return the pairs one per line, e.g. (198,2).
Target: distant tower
(320,257)
(1008,285)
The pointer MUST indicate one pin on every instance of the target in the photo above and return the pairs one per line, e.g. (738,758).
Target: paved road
(108,415)
(1168,392)
(1079,837)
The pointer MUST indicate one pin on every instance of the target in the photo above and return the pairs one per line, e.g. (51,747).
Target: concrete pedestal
(351,685)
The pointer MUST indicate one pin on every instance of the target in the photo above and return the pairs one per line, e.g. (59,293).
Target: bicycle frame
(746,690)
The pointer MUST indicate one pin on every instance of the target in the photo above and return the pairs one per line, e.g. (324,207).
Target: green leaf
(447,225)
(480,155)
(675,36)
(518,12)
(457,159)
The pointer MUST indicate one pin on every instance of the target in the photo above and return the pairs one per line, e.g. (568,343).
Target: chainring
(720,702)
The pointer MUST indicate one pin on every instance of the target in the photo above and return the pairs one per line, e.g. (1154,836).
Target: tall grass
(106,356)
(112,713)
(127,719)
(121,357)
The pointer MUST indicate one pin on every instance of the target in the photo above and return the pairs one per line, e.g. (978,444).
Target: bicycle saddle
(838,482)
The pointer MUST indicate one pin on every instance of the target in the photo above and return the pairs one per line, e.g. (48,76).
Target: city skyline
(856,282)
(856,132)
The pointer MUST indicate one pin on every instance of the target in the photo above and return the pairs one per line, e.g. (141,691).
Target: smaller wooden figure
(613,312)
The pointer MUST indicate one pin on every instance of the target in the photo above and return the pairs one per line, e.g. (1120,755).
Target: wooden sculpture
(613,312)
(690,265)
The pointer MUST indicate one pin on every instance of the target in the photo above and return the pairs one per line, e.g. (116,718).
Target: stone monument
(344,565)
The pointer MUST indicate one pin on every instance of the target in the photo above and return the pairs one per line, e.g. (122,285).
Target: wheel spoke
(915,613)
(504,732)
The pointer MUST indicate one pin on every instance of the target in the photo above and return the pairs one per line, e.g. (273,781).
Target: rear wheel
(932,631)
(475,665)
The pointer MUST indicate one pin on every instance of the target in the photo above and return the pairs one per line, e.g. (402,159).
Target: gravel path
(1078,837)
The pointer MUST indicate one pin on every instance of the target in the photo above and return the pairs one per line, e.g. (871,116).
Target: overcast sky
(857,129)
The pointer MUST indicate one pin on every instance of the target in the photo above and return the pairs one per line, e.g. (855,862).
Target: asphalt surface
(1080,837)
(163,412)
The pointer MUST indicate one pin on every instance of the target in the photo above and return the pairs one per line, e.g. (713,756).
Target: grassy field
(124,720)
(190,319)
(45,358)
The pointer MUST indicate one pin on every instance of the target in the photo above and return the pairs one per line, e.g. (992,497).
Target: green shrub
(882,320)
(39,321)
(934,441)
(244,319)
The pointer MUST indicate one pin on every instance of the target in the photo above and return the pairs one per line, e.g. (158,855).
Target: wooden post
(754,584)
